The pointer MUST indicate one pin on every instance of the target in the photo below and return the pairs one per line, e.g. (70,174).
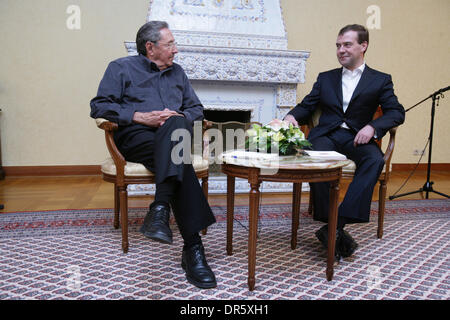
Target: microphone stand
(428,186)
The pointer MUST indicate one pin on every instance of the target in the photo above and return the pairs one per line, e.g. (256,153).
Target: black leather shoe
(322,235)
(346,244)
(156,224)
(198,272)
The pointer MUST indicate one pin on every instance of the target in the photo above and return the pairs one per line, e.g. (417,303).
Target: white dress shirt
(350,80)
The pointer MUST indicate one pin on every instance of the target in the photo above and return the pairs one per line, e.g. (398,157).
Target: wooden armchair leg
(124,217)
(381,207)
(116,207)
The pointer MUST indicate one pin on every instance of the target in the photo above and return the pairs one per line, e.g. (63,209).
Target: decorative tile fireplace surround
(235,54)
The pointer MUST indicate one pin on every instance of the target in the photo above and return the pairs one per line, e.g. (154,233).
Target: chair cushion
(351,167)
(136,169)
(131,168)
(199,163)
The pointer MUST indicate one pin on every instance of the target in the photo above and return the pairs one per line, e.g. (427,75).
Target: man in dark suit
(150,97)
(348,98)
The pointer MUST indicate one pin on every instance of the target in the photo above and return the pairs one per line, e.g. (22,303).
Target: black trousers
(152,147)
(369,163)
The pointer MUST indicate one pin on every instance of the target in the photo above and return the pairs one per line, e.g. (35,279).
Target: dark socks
(165,191)
(341,222)
(191,241)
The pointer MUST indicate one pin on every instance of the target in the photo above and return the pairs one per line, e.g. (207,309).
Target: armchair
(122,173)
(349,170)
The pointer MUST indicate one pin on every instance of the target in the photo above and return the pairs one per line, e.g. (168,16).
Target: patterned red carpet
(76,254)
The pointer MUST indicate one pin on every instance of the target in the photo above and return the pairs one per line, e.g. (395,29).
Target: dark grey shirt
(134,83)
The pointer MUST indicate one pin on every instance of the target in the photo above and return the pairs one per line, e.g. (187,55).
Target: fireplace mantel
(239,64)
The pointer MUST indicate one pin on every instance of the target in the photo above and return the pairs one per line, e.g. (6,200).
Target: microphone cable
(414,170)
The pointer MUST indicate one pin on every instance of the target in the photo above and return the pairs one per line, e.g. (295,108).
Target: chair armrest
(106,124)
(391,144)
(206,124)
(312,122)
(389,151)
(117,157)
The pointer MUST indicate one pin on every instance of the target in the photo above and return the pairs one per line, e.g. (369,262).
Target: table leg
(296,199)
(253,228)
(332,224)
(230,213)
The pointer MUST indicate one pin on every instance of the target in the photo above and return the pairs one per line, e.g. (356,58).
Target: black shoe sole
(349,251)
(157,236)
(201,285)
(348,245)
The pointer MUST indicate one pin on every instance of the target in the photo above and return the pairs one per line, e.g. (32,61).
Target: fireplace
(227,115)
(235,55)
(226,122)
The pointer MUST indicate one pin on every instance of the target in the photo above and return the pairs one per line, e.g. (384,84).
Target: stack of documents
(325,155)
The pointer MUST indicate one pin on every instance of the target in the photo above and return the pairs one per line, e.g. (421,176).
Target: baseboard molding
(52,170)
(420,167)
(95,169)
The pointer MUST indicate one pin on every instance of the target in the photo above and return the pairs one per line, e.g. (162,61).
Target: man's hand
(166,114)
(364,135)
(154,118)
(290,119)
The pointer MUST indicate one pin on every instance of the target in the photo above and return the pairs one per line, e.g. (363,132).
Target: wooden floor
(83,192)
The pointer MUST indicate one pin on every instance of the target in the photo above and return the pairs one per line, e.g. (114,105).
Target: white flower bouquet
(279,134)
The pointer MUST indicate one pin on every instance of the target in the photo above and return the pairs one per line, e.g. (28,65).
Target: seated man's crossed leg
(177,186)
